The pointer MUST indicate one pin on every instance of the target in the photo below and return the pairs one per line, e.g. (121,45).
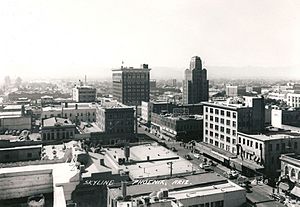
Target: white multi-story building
(75,112)
(222,120)
(220,126)
(84,94)
(146,111)
(293,100)
(277,96)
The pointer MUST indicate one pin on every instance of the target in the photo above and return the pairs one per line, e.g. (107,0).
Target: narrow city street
(257,194)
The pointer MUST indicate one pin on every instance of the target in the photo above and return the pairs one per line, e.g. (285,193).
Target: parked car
(243,181)
(196,155)
(232,174)
(211,163)
(174,149)
(205,166)
(188,157)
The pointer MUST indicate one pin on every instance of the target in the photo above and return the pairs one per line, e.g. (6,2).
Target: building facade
(180,127)
(266,149)
(156,107)
(75,112)
(20,153)
(115,119)
(232,91)
(293,100)
(84,94)
(195,84)
(281,117)
(131,85)
(15,117)
(57,129)
(290,165)
(222,121)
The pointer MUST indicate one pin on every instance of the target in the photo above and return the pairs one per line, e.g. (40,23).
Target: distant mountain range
(216,72)
(164,73)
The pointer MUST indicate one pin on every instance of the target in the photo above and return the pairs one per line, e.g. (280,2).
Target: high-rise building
(195,84)
(131,85)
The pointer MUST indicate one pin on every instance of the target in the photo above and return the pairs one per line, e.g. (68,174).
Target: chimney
(144,66)
(127,152)
(23,110)
(81,168)
(165,193)
(124,188)
(147,200)
(102,162)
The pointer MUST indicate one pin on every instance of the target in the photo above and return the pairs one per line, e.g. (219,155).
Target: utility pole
(171,168)
(136,121)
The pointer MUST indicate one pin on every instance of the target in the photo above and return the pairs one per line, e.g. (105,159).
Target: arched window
(293,173)
(286,170)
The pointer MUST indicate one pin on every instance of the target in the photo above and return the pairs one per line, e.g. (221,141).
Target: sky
(66,38)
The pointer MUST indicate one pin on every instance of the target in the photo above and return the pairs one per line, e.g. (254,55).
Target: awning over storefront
(252,165)
(296,191)
(219,156)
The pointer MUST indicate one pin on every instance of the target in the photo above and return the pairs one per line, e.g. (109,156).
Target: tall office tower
(195,84)
(131,85)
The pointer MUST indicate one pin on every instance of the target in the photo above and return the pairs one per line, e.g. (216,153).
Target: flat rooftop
(85,87)
(223,104)
(5,114)
(62,172)
(208,190)
(13,107)
(273,135)
(22,147)
(94,166)
(205,181)
(56,121)
(183,117)
(71,106)
(157,166)
(89,127)
(112,105)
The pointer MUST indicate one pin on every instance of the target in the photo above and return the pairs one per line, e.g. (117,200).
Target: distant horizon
(214,73)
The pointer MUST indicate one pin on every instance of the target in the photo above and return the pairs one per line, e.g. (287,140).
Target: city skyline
(73,38)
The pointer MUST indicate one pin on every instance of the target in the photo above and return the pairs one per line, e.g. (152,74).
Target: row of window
(211,204)
(221,129)
(221,112)
(136,76)
(7,156)
(63,135)
(250,143)
(222,137)
(221,120)
(220,145)
(66,115)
